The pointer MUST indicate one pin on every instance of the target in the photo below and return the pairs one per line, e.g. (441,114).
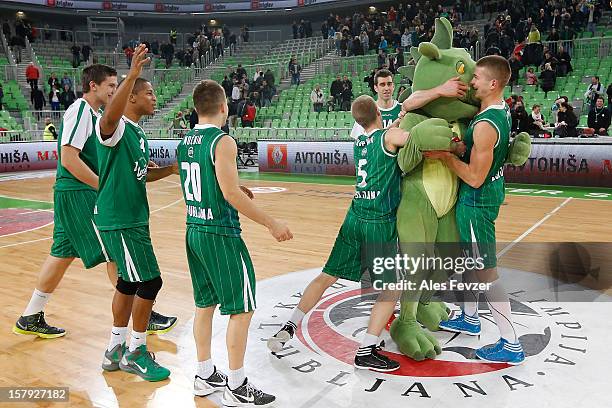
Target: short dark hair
(600,97)
(497,66)
(96,73)
(139,84)
(208,96)
(364,110)
(382,73)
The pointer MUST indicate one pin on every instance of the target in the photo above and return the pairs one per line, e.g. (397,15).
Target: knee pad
(148,290)
(127,288)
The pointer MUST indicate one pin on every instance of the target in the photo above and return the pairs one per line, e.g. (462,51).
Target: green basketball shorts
(477,232)
(359,246)
(221,271)
(132,250)
(74,232)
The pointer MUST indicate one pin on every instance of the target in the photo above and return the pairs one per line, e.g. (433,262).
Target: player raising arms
(221,268)
(369,227)
(389,108)
(481,193)
(122,216)
(74,199)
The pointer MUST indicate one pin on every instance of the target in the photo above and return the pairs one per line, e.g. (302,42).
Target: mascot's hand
(433,134)
(413,341)
(519,150)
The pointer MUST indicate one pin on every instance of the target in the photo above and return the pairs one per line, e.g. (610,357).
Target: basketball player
(122,216)
(221,268)
(370,222)
(481,193)
(389,107)
(74,233)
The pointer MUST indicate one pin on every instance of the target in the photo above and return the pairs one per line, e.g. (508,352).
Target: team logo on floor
(18,220)
(555,336)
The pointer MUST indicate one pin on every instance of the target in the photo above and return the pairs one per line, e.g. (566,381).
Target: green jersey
(206,206)
(122,193)
(78,130)
(388,117)
(491,193)
(377,190)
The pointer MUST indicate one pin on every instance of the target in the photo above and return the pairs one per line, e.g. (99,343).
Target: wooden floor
(82,302)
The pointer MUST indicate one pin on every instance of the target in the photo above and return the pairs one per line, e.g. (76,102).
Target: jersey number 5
(362,173)
(192,181)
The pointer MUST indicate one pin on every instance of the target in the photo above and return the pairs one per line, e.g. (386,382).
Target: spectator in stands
(346,81)
(179,121)
(193,118)
(555,108)
(53,81)
(609,92)
(549,58)
(382,58)
(67,97)
(594,90)
(356,47)
(241,71)
(347,98)
(599,118)
(382,45)
(266,93)
(520,118)
(32,74)
(406,41)
(399,58)
(49,133)
(295,70)
(173,35)
(335,90)
(167,53)
(1,97)
(76,55)
(515,67)
(554,35)
(86,51)
(227,86)
(66,80)
(294,28)
(317,98)
(129,53)
(269,77)
(548,79)
(537,122)
(249,114)
(364,40)
(38,100)
(531,77)
(564,66)
(566,121)
(54,98)
(534,35)
(370,80)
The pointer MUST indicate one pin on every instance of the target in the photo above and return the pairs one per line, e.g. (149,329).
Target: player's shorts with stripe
(358,245)
(131,249)
(74,233)
(221,271)
(477,232)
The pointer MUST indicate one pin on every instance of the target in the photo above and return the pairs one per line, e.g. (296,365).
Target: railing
(597,47)
(183,75)
(345,65)
(261,35)
(308,134)
(107,58)
(181,38)
(53,34)
(21,136)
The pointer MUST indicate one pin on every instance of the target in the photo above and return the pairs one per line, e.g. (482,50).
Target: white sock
(499,304)
(235,378)
(205,368)
(470,297)
(296,316)
(369,340)
(138,339)
(117,336)
(37,302)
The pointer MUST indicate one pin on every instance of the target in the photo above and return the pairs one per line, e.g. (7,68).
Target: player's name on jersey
(364,142)
(202,213)
(367,195)
(192,140)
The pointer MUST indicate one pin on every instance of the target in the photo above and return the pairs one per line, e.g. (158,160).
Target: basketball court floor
(567,342)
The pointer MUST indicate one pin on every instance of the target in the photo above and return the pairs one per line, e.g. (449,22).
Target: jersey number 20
(192,181)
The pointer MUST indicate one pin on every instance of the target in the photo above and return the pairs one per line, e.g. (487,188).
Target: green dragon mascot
(426,214)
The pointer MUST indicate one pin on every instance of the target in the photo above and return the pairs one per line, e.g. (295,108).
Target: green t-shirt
(122,192)
(388,117)
(377,189)
(491,193)
(78,130)
(206,206)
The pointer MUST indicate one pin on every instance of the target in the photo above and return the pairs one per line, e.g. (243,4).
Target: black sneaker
(277,342)
(160,324)
(369,358)
(36,325)
(206,386)
(246,396)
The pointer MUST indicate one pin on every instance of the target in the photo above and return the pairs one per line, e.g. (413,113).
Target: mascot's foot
(391,319)
(413,341)
(432,314)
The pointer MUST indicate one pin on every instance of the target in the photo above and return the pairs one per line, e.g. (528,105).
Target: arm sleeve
(115,138)
(357,131)
(77,126)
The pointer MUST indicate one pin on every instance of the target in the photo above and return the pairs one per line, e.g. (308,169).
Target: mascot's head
(436,62)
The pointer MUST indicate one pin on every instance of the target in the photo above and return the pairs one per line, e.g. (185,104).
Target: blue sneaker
(502,352)
(465,324)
